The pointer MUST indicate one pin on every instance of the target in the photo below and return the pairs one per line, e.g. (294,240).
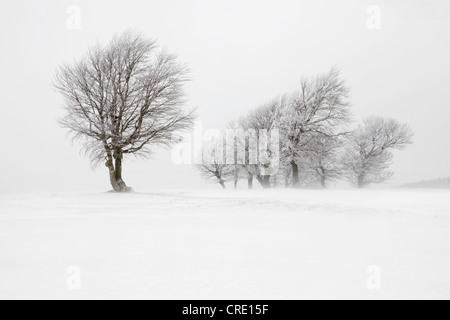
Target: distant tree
(265,119)
(123,99)
(368,153)
(236,151)
(319,107)
(213,166)
(443,183)
(249,167)
(322,159)
(286,174)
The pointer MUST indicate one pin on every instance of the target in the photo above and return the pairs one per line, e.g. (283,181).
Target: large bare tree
(368,153)
(320,107)
(123,99)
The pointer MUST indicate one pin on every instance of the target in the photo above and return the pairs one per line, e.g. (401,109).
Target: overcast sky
(241,53)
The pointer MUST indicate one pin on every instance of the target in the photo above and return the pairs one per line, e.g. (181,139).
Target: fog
(240,55)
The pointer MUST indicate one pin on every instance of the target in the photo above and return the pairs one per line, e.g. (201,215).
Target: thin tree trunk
(267,181)
(222,183)
(361,183)
(323,178)
(295,175)
(287,182)
(250,182)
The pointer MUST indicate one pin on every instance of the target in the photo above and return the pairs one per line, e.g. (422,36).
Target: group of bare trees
(127,97)
(316,144)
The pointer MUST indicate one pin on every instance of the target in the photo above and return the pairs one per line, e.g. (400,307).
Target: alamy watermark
(229,147)
(374,280)
(73,21)
(74,278)
(374,19)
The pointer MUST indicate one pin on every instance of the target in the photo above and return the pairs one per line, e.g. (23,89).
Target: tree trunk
(115,172)
(361,183)
(323,177)
(250,182)
(267,181)
(323,183)
(112,174)
(235,183)
(287,182)
(264,181)
(222,183)
(295,175)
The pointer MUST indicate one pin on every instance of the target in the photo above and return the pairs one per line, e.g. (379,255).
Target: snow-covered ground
(226,245)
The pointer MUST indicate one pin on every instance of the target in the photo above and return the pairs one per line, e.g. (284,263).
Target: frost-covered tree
(256,143)
(322,159)
(319,107)
(265,119)
(123,99)
(246,140)
(213,166)
(236,150)
(286,174)
(368,152)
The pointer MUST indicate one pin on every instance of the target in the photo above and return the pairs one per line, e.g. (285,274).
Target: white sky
(241,54)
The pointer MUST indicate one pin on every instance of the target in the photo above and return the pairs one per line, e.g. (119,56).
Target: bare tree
(236,150)
(265,119)
(368,153)
(213,166)
(320,107)
(123,99)
(322,159)
(286,174)
(249,168)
